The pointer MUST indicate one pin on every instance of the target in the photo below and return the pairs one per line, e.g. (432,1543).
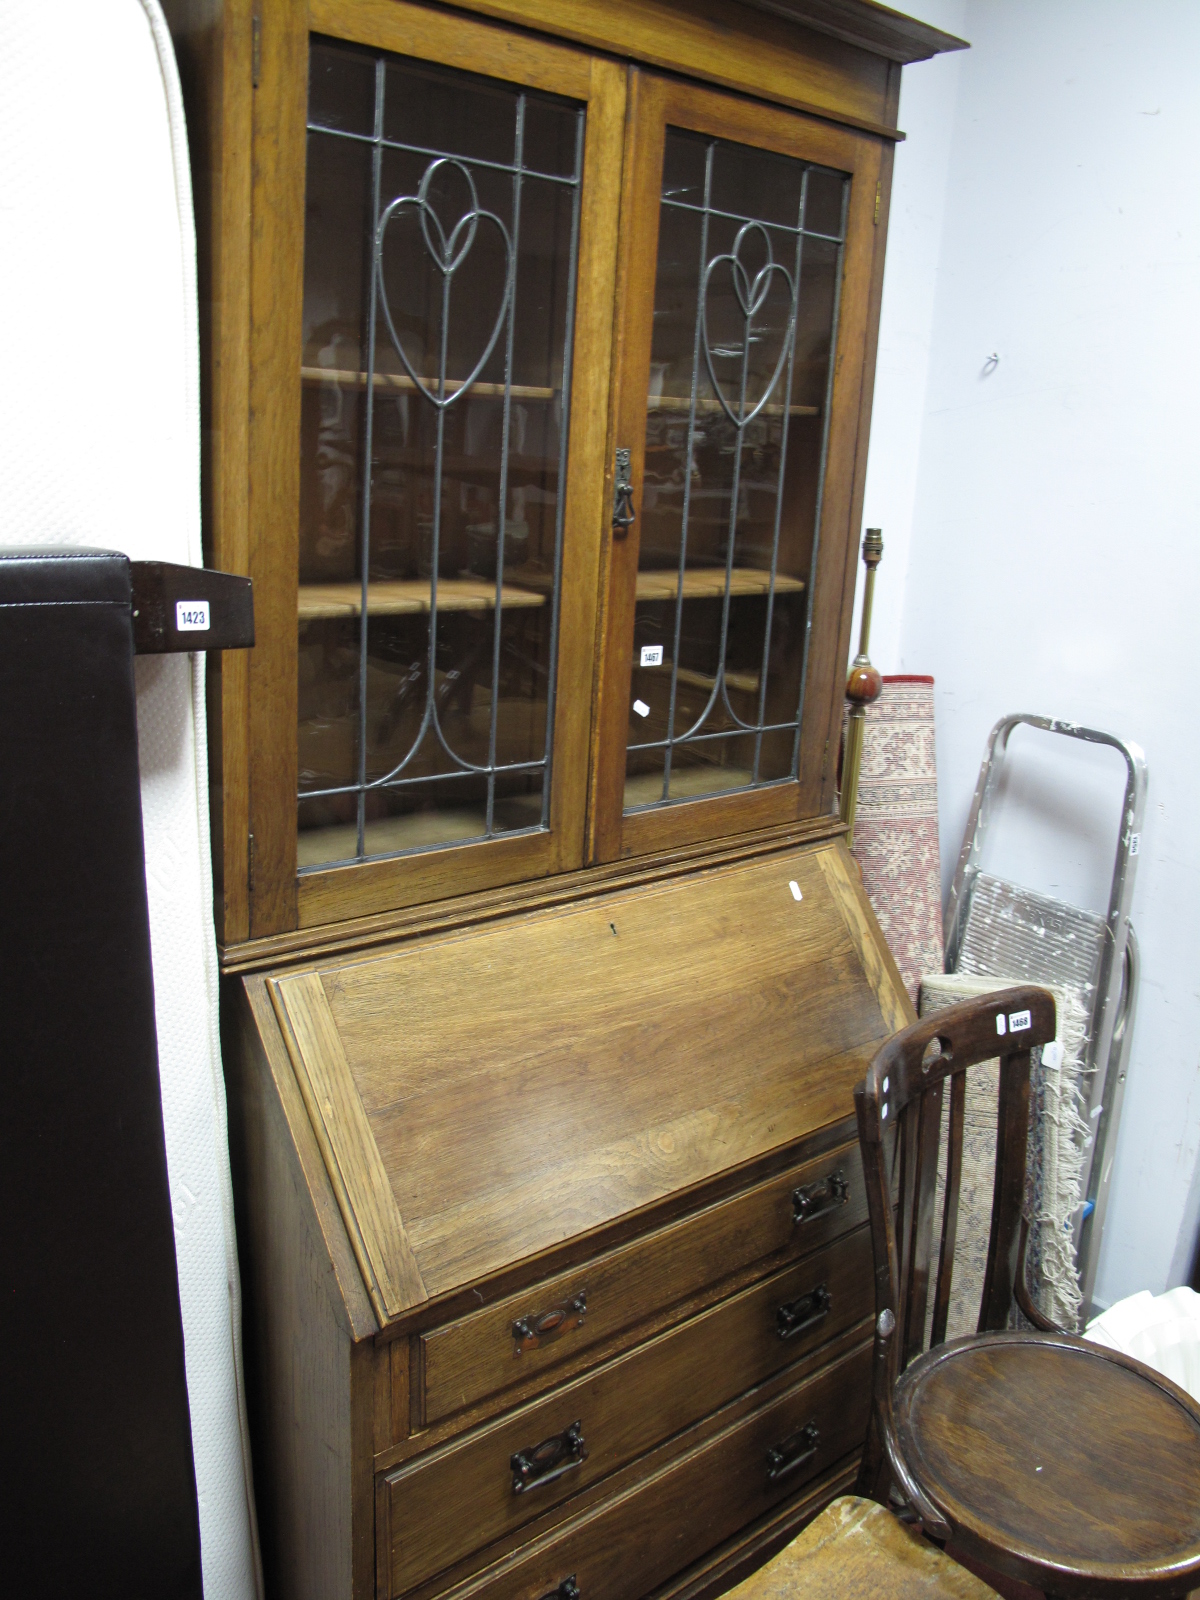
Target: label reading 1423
(191,616)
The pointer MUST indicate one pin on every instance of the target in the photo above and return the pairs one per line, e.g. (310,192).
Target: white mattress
(99,445)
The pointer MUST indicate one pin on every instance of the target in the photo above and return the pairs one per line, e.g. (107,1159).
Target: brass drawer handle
(568,1589)
(543,1327)
(560,1453)
(798,1315)
(793,1452)
(815,1199)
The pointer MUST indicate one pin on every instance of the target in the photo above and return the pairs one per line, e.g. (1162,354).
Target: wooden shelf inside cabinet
(411,597)
(401,383)
(744,682)
(708,583)
(707,406)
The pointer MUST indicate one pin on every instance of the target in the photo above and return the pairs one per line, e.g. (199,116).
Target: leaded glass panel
(442,219)
(746,304)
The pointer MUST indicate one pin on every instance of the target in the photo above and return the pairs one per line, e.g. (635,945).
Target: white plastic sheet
(1163,1330)
(99,445)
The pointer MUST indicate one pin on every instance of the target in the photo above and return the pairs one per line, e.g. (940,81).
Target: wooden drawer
(624,1547)
(600,1422)
(486,1351)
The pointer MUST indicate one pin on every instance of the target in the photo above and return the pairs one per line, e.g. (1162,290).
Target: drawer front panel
(629,1545)
(513,1470)
(485,1352)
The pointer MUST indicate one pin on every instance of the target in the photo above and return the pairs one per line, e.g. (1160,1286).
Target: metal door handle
(623,512)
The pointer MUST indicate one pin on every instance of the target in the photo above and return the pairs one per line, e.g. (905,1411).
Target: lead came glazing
(746,304)
(440,256)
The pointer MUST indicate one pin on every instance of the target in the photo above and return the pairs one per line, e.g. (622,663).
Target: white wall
(928,97)
(1040,513)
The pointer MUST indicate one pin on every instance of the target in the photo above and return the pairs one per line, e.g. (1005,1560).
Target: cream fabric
(99,445)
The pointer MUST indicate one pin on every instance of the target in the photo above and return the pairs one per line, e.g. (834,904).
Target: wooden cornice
(861,22)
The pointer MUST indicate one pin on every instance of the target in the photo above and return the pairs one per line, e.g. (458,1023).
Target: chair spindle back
(899,1104)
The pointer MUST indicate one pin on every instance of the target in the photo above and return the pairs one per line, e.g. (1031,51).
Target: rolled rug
(896,826)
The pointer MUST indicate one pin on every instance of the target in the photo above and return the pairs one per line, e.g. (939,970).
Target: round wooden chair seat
(855,1550)
(1082,1464)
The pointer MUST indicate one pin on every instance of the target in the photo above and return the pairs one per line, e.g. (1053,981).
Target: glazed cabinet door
(749,240)
(434,253)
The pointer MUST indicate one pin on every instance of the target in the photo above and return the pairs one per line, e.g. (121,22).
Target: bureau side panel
(308,1328)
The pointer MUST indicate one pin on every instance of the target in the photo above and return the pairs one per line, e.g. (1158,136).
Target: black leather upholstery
(98,1496)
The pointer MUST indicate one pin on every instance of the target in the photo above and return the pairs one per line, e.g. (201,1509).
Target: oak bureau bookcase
(538,347)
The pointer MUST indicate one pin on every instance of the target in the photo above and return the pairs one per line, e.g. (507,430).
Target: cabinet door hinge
(255,47)
(878,194)
(250,863)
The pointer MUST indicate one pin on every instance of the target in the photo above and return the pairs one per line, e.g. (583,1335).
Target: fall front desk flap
(483,1095)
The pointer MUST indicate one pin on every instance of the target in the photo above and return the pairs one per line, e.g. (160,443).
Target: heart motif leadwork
(751,294)
(447,251)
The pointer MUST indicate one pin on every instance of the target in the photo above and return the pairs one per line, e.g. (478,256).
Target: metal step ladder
(1003,929)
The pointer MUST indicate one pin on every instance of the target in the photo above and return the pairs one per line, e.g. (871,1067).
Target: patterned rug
(896,826)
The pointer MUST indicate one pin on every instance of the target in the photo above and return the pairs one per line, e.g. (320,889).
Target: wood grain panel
(632,956)
(627,1544)
(835,636)
(641,181)
(276,305)
(369,1207)
(872,26)
(307,1326)
(326,896)
(675,827)
(625,1409)
(588,455)
(846,443)
(721,44)
(858,1550)
(612,1053)
(398,1355)
(454,41)
(457,911)
(493,1224)
(720,1569)
(476,1356)
(845,885)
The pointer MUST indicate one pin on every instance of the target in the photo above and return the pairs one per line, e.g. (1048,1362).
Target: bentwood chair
(1056,1462)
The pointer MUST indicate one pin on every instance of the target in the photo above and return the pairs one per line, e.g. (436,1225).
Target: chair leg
(873,1475)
